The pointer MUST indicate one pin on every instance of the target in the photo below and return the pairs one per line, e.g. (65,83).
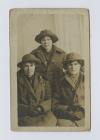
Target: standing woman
(69,94)
(50,56)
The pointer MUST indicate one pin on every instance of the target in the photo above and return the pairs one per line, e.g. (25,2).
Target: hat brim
(81,61)
(20,64)
(39,37)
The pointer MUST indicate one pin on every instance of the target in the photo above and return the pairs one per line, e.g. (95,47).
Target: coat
(50,62)
(31,96)
(69,99)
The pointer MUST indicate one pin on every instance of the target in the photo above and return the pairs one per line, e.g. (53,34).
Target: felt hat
(73,57)
(28,58)
(44,33)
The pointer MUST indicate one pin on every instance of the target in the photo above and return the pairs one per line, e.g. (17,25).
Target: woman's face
(74,68)
(46,43)
(29,69)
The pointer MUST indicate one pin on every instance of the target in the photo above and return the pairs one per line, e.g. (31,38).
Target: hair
(23,63)
(66,63)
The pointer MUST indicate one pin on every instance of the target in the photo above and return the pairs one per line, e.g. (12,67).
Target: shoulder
(36,50)
(58,50)
(19,73)
(39,77)
(20,77)
(82,77)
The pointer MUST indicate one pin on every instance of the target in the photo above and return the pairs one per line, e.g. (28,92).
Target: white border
(5,132)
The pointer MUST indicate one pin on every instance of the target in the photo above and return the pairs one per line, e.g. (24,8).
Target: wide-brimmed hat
(28,58)
(44,33)
(73,57)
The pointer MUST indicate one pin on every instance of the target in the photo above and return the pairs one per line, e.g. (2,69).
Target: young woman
(69,95)
(34,99)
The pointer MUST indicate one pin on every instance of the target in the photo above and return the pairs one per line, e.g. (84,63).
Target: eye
(48,39)
(31,65)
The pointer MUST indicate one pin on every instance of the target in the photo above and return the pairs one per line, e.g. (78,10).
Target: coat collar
(27,84)
(54,48)
(69,80)
(41,54)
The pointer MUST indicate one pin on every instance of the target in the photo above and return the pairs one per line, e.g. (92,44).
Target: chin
(73,73)
(29,75)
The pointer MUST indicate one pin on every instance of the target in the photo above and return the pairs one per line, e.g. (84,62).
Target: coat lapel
(68,79)
(67,90)
(38,86)
(41,56)
(29,87)
(74,85)
(51,54)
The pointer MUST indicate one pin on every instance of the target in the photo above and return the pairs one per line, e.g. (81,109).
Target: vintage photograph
(50,69)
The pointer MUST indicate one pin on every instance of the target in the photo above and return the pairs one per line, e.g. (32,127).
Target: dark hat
(46,33)
(74,57)
(28,58)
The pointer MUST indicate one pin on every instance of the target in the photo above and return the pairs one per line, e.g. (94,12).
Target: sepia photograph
(50,69)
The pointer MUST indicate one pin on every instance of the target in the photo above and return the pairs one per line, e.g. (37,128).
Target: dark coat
(68,101)
(31,96)
(50,62)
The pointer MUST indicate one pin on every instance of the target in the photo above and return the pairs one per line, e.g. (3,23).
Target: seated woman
(34,98)
(69,101)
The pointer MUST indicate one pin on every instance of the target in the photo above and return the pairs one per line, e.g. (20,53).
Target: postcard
(50,69)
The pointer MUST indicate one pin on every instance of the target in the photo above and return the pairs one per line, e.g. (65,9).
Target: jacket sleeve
(46,105)
(25,105)
(57,106)
(56,100)
(22,103)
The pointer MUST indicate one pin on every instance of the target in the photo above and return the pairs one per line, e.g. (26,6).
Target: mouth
(46,44)
(29,75)
(73,70)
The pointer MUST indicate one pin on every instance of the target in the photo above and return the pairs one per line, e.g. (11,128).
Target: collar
(70,81)
(54,48)
(45,51)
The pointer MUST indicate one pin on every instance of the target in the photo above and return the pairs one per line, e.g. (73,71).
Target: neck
(48,49)
(74,76)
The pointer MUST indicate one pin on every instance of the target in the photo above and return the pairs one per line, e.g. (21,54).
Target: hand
(72,116)
(79,114)
(37,111)
(75,108)
(76,112)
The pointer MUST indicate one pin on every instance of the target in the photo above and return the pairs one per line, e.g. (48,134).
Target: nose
(29,68)
(72,66)
(45,41)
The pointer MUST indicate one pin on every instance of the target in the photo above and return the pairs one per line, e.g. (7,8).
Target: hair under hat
(44,33)
(28,58)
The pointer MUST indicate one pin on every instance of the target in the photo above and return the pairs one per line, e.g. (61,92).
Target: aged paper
(69,31)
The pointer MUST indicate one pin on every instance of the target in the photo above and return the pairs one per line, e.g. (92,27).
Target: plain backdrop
(71,28)
(5,132)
